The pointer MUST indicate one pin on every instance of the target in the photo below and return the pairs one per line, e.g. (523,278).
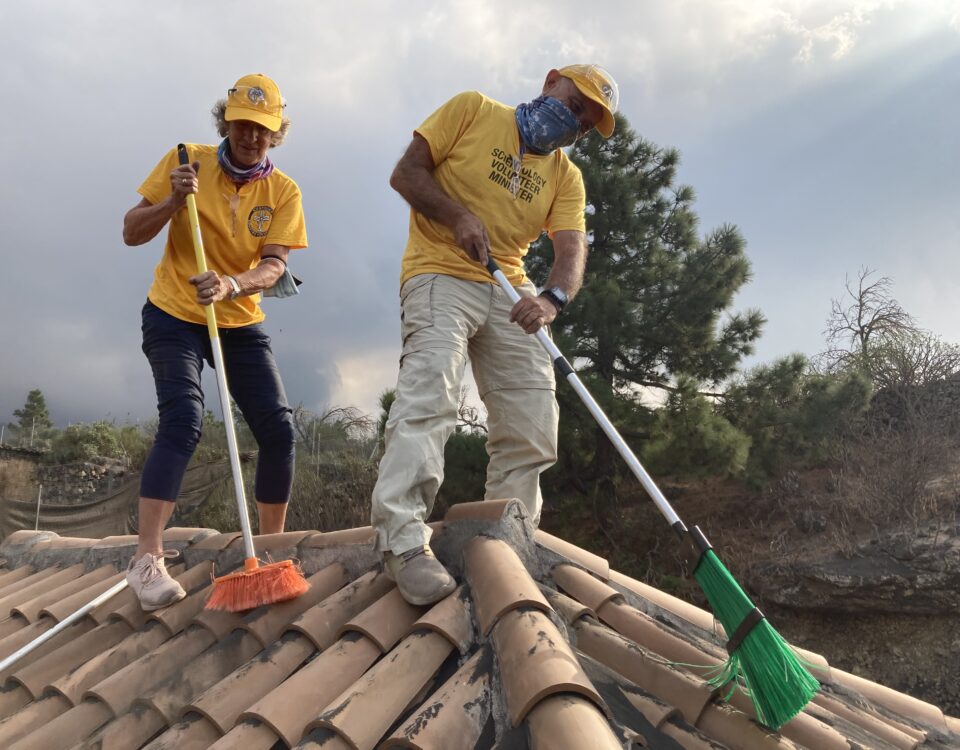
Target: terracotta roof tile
(899,736)
(192,732)
(584,587)
(34,715)
(321,624)
(499,581)
(248,735)
(30,609)
(323,739)
(541,646)
(38,587)
(569,609)
(202,672)
(594,563)
(286,710)
(366,710)
(124,733)
(246,682)
(217,542)
(568,722)
(536,661)
(454,716)
(899,703)
(647,669)
(271,542)
(692,614)
(37,675)
(451,619)
(73,683)
(64,729)
(119,690)
(363,535)
(268,623)
(484,510)
(385,621)
(63,606)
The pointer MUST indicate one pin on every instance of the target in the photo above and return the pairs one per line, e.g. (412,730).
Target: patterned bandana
(242,175)
(546,124)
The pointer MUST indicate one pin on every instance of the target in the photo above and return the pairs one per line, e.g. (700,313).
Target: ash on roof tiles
(541,646)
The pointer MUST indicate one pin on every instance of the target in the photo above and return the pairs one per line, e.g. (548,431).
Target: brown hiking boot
(419,575)
(150,581)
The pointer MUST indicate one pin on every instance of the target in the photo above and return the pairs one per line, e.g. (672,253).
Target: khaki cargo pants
(446,321)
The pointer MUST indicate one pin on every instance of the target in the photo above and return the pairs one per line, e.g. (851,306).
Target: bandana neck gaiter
(545,125)
(242,175)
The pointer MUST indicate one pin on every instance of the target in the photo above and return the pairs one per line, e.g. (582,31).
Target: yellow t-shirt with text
(475,146)
(235,222)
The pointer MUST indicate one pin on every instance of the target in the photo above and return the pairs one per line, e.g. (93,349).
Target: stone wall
(69,484)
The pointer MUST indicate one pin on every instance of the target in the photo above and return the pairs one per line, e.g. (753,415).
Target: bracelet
(236,291)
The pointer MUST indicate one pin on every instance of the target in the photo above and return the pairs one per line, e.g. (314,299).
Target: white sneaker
(150,581)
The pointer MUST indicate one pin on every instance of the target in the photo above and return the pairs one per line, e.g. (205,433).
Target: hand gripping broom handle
(564,368)
(234,452)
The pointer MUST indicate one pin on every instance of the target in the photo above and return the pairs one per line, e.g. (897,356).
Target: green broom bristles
(764,666)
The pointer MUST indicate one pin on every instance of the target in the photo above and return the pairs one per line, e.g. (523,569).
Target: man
(483,180)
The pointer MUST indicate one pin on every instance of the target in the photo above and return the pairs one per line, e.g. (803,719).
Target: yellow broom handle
(218,367)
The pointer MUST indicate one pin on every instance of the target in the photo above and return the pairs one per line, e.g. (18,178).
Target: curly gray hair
(219,117)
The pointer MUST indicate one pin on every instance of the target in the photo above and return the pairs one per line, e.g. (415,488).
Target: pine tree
(654,302)
(33,418)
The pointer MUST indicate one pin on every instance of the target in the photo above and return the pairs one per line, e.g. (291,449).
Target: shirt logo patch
(258,222)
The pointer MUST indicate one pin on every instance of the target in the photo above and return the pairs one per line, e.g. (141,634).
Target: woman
(251,217)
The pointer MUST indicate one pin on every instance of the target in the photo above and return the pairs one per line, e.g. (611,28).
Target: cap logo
(256,95)
(607,90)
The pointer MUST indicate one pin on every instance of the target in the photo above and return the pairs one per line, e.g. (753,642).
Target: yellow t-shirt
(475,146)
(236,223)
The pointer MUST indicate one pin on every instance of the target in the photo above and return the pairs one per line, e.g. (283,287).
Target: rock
(917,573)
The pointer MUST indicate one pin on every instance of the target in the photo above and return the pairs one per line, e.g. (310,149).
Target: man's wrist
(556,296)
(235,290)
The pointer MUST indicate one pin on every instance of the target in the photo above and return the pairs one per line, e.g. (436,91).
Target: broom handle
(564,368)
(65,623)
(220,371)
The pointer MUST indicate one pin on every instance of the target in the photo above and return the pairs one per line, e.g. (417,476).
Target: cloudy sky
(827,131)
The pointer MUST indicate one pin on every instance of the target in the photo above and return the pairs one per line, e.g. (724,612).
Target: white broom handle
(218,367)
(618,442)
(65,623)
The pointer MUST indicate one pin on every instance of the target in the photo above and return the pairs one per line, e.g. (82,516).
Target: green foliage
(82,442)
(387,397)
(654,296)
(34,414)
(692,440)
(793,415)
(464,468)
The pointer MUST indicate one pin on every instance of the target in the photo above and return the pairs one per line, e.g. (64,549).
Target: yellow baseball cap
(597,84)
(256,98)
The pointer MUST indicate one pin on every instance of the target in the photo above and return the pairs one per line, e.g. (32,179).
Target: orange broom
(256,584)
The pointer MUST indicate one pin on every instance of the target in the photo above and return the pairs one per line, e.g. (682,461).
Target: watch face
(559,294)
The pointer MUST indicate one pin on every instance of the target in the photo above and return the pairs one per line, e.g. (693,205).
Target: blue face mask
(546,124)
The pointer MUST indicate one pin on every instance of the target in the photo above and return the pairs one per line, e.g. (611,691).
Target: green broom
(760,661)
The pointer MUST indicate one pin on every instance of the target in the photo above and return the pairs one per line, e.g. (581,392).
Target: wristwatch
(557,296)
(235,291)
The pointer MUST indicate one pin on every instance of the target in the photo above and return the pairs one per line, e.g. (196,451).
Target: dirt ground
(800,517)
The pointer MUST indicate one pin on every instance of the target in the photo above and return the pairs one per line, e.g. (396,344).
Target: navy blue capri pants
(176,350)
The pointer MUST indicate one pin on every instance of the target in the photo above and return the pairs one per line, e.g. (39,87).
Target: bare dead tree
(867,313)
(470,417)
(348,419)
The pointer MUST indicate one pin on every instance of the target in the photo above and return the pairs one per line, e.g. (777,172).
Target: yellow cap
(597,84)
(256,98)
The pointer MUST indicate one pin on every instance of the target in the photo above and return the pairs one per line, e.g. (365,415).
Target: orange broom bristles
(257,585)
